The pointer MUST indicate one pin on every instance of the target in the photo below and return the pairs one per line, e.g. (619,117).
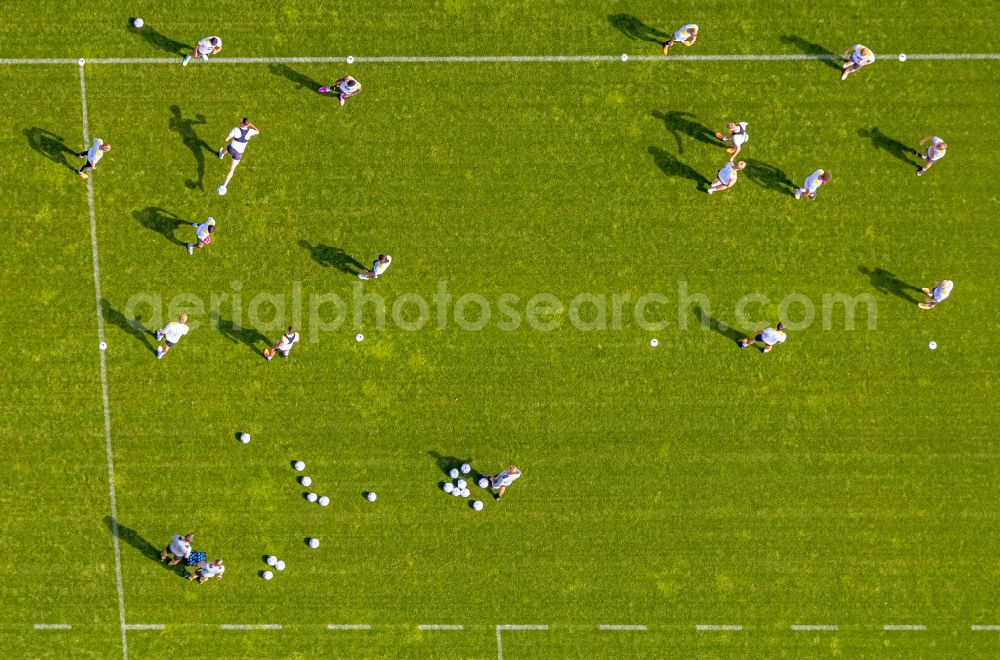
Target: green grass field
(848,479)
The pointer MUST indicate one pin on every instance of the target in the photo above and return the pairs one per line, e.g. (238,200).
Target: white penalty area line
(53,626)
(903,627)
(487,59)
(985,628)
(509,626)
(716,628)
(607,626)
(439,626)
(250,626)
(814,628)
(104,378)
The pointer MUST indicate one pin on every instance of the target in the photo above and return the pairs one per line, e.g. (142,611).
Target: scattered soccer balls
(137,22)
(267,575)
(624,57)
(457,492)
(477,505)
(371,497)
(102,346)
(466,468)
(280,565)
(271,560)
(324,501)
(465,492)
(312,497)
(305,481)
(299,465)
(654,342)
(359,337)
(932,345)
(350,59)
(902,57)
(313,543)
(221,190)
(244,438)
(484,482)
(453,473)
(448,487)
(461,484)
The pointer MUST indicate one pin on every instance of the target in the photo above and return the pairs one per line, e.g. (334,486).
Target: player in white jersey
(769,336)
(203,233)
(812,184)
(501,481)
(935,152)
(93,156)
(284,345)
(237,139)
(180,548)
(686,35)
(727,176)
(857,57)
(207,46)
(935,295)
(207,570)
(345,88)
(737,133)
(379,266)
(171,334)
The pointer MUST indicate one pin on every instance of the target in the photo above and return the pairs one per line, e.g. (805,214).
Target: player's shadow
(135,539)
(327,255)
(133,327)
(684,123)
(237,334)
(884,281)
(882,142)
(719,327)
(294,76)
(185,128)
(636,30)
(161,221)
(768,177)
(49,145)
(671,166)
(157,40)
(829,58)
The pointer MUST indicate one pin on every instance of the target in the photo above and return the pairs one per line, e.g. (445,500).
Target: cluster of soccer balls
(458,487)
(277,564)
(306,481)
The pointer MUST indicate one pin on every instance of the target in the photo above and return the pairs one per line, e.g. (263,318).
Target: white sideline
(979,628)
(903,627)
(480,59)
(705,627)
(250,626)
(52,626)
(144,626)
(439,626)
(811,627)
(104,378)
(509,626)
(348,626)
(605,626)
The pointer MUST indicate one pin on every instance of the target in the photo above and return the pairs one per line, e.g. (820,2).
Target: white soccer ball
(244,438)
(484,482)
(457,492)
(271,560)
(137,22)
(299,465)
(313,543)
(305,481)
(902,57)
(280,565)
(324,501)
(465,492)
(359,337)
(102,346)
(221,190)
(312,497)
(461,484)
(932,345)
(624,57)
(466,468)
(371,497)
(477,505)
(654,342)
(448,487)
(350,59)
(453,473)
(267,575)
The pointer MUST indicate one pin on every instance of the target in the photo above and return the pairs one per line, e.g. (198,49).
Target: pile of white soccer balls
(458,487)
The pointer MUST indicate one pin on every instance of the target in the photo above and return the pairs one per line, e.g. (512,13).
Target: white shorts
(739,139)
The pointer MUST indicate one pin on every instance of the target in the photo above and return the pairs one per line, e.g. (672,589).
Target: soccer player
(812,184)
(727,176)
(769,336)
(940,291)
(935,152)
(501,481)
(239,136)
(203,233)
(93,156)
(207,570)
(346,87)
(180,548)
(171,334)
(379,266)
(687,35)
(856,58)
(738,134)
(207,46)
(284,345)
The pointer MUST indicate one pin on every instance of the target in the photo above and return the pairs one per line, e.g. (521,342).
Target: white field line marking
(52,626)
(144,626)
(605,626)
(348,626)
(903,627)
(499,645)
(104,378)
(439,626)
(509,626)
(250,626)
(993,628)
(704,627)
(476,59)
(811,627)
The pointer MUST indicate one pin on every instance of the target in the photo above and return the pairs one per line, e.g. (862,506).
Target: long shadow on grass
(636,30)
(49,145)
(300,79)
(327,255)
(884,281)
(768,177)
(447,463)
(719,327)
(185,128)
(237,334)
(882,142)
(827,57)
(671,166)
(157,40)
(145,548)
(133,327)
(684,123)
(161,221)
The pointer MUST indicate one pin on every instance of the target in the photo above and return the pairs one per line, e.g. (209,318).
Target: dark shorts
(232,152)
(759,338)
(169,343)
